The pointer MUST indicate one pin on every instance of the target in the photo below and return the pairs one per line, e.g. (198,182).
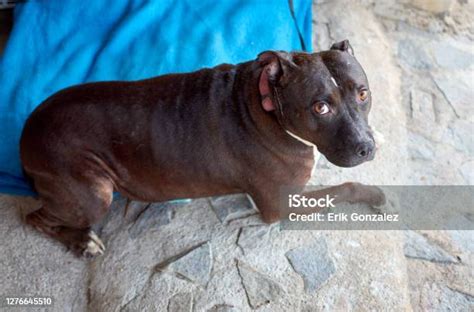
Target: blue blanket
(58,43)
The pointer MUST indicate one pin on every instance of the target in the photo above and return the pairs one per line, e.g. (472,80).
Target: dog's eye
(321,108)
(363,95)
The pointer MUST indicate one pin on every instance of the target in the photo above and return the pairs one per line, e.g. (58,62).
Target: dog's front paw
(389,204)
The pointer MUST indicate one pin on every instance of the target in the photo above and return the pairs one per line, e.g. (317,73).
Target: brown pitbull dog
(245,128)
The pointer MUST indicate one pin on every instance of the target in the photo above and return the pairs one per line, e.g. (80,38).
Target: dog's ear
(343,46)
(276,66)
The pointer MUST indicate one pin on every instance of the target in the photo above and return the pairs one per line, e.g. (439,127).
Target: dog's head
(323,98)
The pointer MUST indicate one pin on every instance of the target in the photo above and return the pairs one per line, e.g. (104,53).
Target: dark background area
(6,23)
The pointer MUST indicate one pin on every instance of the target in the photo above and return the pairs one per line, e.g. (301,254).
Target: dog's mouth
(346,159)
(348,162)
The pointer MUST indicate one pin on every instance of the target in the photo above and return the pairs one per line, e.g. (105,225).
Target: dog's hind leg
(70,207)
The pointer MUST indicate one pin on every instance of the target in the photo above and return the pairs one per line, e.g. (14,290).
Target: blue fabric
(58,43)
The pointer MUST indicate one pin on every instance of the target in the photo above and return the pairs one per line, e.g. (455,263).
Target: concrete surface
(216,255)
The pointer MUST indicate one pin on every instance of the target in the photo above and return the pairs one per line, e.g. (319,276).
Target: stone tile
(463,239)
(250,235)
(223,308)
(418,247)
(260,289)
(439,298)
(467,171)
(437,6)
(181,302)
(195,266)
(313,264)
(152,217)
(421,104)
(419,147)
(459,134)
(127,274)
(413,54)
(228,208)
(458,88)
(449,56)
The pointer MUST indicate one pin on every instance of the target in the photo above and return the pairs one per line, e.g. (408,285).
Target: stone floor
(216,255)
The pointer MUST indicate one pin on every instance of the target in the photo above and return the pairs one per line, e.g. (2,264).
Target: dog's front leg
(350,192)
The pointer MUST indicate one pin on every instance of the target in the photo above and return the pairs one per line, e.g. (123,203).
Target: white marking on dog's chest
(334,81)
(300,139)
(308,144)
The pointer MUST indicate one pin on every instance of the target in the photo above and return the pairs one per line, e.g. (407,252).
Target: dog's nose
(365,149)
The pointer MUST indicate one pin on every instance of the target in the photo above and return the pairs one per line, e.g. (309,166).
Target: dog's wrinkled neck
(267,125)
(308,143)
(281,116)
